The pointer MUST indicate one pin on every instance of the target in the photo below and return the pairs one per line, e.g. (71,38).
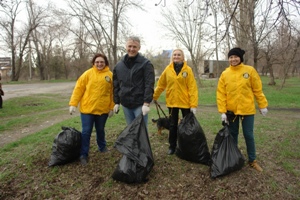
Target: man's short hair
(134,38)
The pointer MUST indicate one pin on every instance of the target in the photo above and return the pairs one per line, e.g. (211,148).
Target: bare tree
(63,47)
(186,26)
(217,34)
(280,51)
(268,53)
(103,23)
(253,21)
(10,11)
(15,41)
(243,23)
(289,44)
(38,16)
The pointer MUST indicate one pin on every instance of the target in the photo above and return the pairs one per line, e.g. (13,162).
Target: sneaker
(171,151)
(255,166)
(83,161)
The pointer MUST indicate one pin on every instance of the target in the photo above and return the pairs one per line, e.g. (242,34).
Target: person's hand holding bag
(194,110)
(116,108)
(224,118)
(145,109)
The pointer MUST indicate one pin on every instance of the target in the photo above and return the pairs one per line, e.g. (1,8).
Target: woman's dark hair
(102,56)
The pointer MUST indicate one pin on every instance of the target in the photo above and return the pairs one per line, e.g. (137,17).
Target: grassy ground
(24,171)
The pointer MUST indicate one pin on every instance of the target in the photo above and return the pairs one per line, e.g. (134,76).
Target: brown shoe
(255,166)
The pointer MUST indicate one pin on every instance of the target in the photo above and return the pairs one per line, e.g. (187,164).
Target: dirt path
(65,88)
(11,136)
(20,90)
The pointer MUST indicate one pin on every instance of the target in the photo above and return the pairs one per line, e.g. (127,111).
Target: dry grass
(25,175)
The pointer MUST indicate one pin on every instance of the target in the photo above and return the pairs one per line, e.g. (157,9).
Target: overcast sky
(146,25)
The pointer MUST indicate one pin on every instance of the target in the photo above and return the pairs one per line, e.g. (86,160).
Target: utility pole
(30,62)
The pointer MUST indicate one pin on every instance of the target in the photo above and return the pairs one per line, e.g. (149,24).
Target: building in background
(5,67)
(212,68)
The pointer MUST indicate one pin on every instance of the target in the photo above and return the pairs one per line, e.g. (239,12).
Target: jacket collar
(237,67)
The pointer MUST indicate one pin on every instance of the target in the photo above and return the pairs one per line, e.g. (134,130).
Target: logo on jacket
(246,75)
(184,74)
(108,79)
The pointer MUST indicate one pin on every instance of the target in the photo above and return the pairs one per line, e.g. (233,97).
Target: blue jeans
(247,126)
(132,113)
(88,121)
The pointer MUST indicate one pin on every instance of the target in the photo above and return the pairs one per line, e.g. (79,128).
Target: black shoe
(104,150)
(171,151)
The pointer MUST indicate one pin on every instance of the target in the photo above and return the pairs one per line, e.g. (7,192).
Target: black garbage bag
(66,146)
(192,144)
(137,160)
(225,155)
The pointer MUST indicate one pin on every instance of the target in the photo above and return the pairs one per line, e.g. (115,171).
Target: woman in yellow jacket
(181,92)
(94,92)
(238,86)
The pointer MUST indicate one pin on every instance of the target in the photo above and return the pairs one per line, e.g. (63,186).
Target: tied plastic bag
(225,155)
(66,146)
(192,144)
(137,160)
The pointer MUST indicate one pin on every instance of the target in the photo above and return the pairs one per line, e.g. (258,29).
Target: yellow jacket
(237,87)
(94,92)
(181,90)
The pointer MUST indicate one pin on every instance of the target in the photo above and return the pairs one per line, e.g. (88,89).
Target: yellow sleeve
(161,85)
(192,90)
(112,104)
(221,95)
(78,91)
(257,90)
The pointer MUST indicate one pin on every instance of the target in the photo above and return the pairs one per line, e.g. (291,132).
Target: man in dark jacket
(133,81)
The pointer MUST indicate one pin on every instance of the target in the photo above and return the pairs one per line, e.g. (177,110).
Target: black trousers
(1,101)
(174,115)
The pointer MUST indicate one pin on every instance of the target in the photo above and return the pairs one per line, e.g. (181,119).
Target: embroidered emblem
(184,74)
(107,78)
(246,75)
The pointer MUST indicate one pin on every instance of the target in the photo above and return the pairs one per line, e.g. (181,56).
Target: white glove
(145,110)
(224,118)
(193,110)
(111,113)
(116,108)
(264,111)
(72,109)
